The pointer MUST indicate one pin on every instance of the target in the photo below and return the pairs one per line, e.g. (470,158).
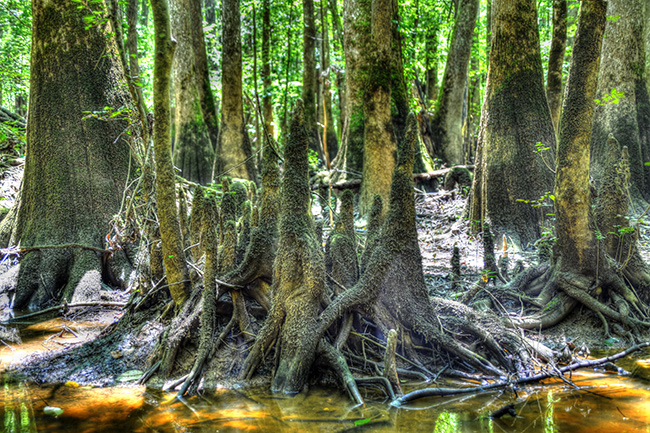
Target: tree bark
(193,150)
(556,61)
(206,95)
(267,98)
(379,139)
(77,164)
(325,109)
(515,117)
(309,75)
(234,149)
(622,70)
(356,22)
(447,123)
(576,239)
(170,232)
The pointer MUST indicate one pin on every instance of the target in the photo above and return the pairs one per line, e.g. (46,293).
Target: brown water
(605,402)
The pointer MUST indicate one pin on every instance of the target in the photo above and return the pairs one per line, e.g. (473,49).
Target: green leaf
(362,421)
(171,256)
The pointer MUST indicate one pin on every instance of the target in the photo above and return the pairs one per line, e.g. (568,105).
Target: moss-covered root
(244,228)
(262,248)
(457,176)
(299,273)
(392,288)
(340,250)
(227,259)
(209,299)
(490,268)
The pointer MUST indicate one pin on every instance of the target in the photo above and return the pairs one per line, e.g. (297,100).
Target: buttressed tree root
(391,292)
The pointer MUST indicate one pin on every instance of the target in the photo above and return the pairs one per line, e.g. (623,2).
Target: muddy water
(603,402)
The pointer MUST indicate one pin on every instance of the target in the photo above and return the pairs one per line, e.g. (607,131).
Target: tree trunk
(193,151)
(206,95)
(134,68)
(309,75)
(170,231)
(447,123)
(77,164)
(267,98)
(356,22)
(325,86)
(432,66)
(379,139)
(234,150)
(626,117)
(576,238)
(556,61)
(515,117)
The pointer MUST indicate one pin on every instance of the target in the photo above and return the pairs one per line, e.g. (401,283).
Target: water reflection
(604,402)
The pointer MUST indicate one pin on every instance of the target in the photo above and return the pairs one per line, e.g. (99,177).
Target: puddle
(605,402)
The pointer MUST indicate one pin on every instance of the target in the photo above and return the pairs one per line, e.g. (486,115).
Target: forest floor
(441,226)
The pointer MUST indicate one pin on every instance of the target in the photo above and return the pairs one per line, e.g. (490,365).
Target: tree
(78,159)
(510,170)
(193,149)
(309,74)
(447,123)
(379,141)
(267,98)
(234,153)
(623,107)
(556,61)
(170,231)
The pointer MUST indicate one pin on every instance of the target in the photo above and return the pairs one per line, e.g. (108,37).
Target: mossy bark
(576,238)
(628,119)
(193,149)
(514,119)
(356,22)
(325,107)
(447,123)
(556,61)
(206,95)
(76,165)
(379,140)
(170,231)
(234,148)
(299,274)
(309,88)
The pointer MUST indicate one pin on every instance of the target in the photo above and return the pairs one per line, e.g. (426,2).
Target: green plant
(610,98)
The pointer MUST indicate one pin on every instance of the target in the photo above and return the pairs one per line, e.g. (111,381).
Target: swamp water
(604,402)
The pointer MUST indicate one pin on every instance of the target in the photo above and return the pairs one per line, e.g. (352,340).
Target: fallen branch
(356,183)
(438,392)
(65,307)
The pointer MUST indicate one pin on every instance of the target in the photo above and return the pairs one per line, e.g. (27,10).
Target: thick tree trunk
(515,118)
(356,22)
(206,95)
(621,71)
(576,238)
(234,149)
(379,138)
(77,164)
(447,123)
(193,150)
(556,61)
(170,231)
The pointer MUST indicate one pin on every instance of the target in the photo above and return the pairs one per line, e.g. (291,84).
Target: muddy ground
(101,357)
